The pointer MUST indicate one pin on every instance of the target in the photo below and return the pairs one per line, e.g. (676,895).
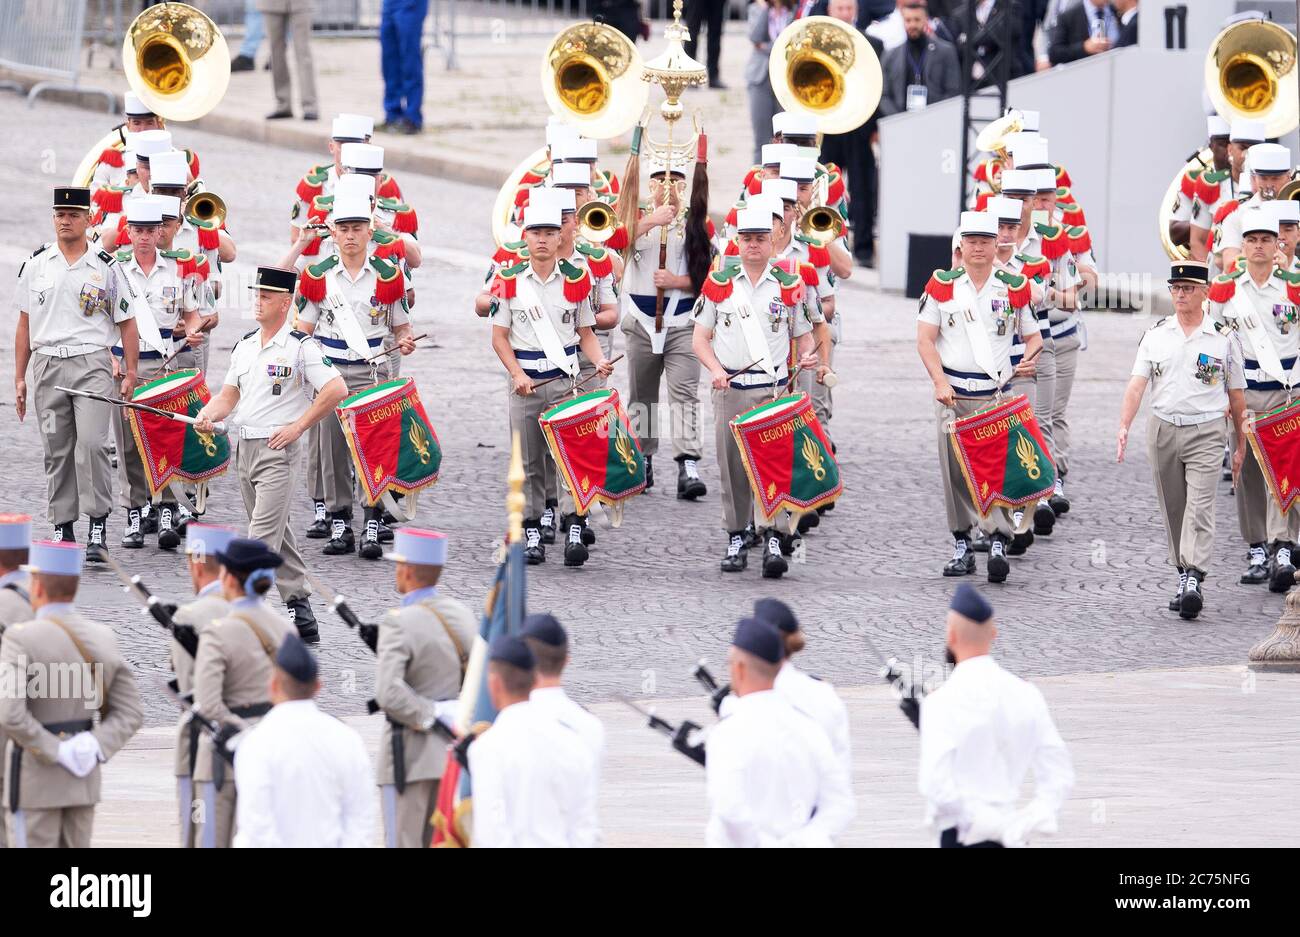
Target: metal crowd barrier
(43,39)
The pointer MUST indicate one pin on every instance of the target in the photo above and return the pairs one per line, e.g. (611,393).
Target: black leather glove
(227,732)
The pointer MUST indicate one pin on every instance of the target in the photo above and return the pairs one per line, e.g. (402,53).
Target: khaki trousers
(415,807)
(335,457)
(1257,512)
(737,496)
(132,480)
(1067,362)
(524,412)
(297,23)
(682,369)
(222,833)
(55,827)
(1185,461)
(1041,391)
(267,482)
(78,469)
(957,503)
(315,471)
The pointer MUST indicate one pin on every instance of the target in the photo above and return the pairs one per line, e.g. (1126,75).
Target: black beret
(760,638)
(545,628)
(512,650)
(275,279)
(968,602)
(295,660)
(776,613)
(245,554)
(72,197)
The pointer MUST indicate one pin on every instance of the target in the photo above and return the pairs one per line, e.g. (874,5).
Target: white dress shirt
(818,700)
(554,702)
(981,733)
(304,780)
(772,778)
(531,778)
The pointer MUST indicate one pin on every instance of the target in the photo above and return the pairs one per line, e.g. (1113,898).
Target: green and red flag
(393,443)
(590,438)
(787,456)
(1003,456)
(172,450)
(1275,438)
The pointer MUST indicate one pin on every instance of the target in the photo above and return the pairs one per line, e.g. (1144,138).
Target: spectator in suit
(712,12)
(1032,13)
(1128,22)
(922,60)
(623,15)
(766,20)
(1090,28)
(970,17)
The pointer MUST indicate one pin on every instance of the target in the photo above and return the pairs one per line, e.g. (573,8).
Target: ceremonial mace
(674,71)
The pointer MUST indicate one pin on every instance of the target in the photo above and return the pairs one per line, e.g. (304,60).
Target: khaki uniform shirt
(206,608)
(349,296)
(273,379)
(72,304)
(567,317)
(1190,375)
(1001,321)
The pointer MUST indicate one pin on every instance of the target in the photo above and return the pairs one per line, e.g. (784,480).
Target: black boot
(547,521)
(689,485)
(320,525)
(96,540)
(133,536)
(64,533)
(1044,519)
(1257,566)
(588,532)
(807,522)
(963,560)
(148,519)
(1060,504)
(370,548)
(342,540)
(1176,602)
(1283,574)
(304,619)
(575,551)
(1020,543)
(998,567)
(168,538)
(774,564)
(736,559)
(750,536)
(979,541)
(649,473)
(383,531)
(1192,599)
(534,552)
(789,542)
(183,518)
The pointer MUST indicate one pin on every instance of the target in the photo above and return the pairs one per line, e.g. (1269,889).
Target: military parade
(247,433)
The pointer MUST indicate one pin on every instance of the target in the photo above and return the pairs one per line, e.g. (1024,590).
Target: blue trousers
(400,26)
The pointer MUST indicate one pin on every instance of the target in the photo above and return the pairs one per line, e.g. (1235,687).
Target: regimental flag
(1275,438)
(393,443)
(172,450)
(787,456)
(593,445)
(1003,456)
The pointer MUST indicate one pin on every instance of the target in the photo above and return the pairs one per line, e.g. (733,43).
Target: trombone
(821,225)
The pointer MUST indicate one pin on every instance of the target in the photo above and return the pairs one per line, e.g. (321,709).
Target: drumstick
(584,381)
(380,354)
(185,347)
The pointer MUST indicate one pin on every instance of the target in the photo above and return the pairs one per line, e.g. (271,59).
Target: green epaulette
(123,255)
(384,268)
(320,269)
(515,270)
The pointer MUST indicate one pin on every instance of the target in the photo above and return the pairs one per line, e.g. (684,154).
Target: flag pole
(515,496)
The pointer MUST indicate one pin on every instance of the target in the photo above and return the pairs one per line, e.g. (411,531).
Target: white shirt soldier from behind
(72,304)
(771,775)
(1194,367)
(969,320)
(270,370)
(981,733)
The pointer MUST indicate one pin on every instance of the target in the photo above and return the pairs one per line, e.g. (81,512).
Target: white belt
(1195,419)
(68,351)
(1065,324)
(256,432)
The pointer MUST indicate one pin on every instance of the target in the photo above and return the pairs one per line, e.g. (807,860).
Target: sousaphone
(1250,71)
(824,67)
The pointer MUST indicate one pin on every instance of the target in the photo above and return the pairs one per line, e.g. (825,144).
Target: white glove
(988,823)
(80,754)
(1034,818)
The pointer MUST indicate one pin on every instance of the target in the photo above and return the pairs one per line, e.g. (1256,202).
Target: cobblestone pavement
(652,601)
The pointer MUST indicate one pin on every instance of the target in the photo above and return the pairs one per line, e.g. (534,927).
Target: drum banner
(593,445)
(172,450)
(393,444)
(1275,439)
(1003,456)
(787,456)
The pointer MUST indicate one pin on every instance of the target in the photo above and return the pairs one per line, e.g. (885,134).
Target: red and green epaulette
(386,187)
(1292,282)
(1036,268)
(1187,185)
(788,275)
(188,264)
(311,185)
(1019,293)
(318,211)
(1224,286)
(535,175)
(522,194)
(1063,177)
(511,253)
(123,231)
(618,241)
(577,281)
(753,183)
(404,219)
(192,160)
(311,282)
(718,284)
(732,248)
(610,185)
(808,273)
(835,188)
(732,214)
(209,232)
(939,286)
(988,171)
(982,199)
(598,259)
(505,283)
(111,156)
(122,256)
(1080,240)
(109,198)
(1055,240)
(387,245)
(391,285)
(1209,183)
(1071,214)
(1226,209)
(818,255)
(710,228)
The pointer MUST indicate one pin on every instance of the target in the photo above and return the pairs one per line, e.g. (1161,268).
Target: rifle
(161,611)
(679,735)
(339,606)
(717,692)
(909,700)
(221,735)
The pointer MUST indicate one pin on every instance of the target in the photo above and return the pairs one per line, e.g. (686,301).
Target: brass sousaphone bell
(1250,71)
(591,76)
(824,67)
(176,60)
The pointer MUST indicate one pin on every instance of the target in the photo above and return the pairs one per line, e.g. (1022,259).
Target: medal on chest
(775,310)
(1208,369)
(1001,309)
(377,310)
(279,373)
(91,300)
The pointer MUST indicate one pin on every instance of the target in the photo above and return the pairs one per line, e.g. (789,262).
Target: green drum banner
(1003,456)
(392,441)
(593,445)
(172,450)
(787,456)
